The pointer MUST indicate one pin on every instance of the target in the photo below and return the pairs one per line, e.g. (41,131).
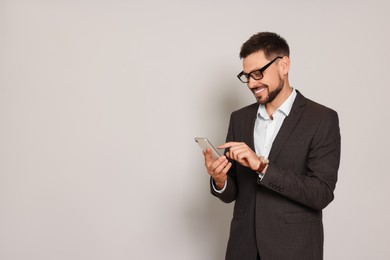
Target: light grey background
(100,102)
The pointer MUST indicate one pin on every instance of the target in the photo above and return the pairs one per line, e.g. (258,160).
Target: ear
(284,65)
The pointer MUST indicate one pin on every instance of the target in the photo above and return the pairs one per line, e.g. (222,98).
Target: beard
(272,95)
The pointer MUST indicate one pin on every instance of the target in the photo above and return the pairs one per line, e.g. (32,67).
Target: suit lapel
(250,126)
(288,125)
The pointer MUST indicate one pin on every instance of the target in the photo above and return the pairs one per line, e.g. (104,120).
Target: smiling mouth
(257,91)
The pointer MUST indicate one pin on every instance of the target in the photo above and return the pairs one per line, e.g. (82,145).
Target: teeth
(258,90)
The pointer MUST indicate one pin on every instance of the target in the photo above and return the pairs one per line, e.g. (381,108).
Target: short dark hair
(270,43)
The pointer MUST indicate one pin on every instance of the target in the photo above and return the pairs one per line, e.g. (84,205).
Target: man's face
(267,88)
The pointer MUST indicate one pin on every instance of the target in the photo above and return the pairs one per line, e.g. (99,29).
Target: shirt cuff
(219,191)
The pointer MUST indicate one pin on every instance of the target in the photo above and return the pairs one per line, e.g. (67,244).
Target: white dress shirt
(266,127)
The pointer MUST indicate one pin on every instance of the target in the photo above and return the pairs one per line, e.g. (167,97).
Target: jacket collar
(288,125)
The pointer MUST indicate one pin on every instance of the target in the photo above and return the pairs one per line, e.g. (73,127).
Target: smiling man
(281,161)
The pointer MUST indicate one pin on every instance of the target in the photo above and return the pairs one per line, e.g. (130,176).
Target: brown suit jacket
(281,216)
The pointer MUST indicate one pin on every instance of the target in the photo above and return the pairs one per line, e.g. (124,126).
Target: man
(281,163)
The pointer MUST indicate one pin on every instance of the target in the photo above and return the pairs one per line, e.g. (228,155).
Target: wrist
(219,185)
(263,164)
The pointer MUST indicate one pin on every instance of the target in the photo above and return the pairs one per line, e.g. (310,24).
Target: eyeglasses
(256,74)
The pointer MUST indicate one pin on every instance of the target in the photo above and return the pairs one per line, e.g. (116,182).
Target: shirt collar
(285,108)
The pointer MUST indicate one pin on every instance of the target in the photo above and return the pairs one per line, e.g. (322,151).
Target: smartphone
(204,143)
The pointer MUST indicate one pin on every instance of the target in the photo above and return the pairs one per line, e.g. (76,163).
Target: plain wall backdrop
(100,102)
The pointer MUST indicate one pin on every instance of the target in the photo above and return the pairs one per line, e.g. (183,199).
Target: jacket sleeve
(313,186)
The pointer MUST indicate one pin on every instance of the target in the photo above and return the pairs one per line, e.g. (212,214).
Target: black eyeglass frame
(259,71)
